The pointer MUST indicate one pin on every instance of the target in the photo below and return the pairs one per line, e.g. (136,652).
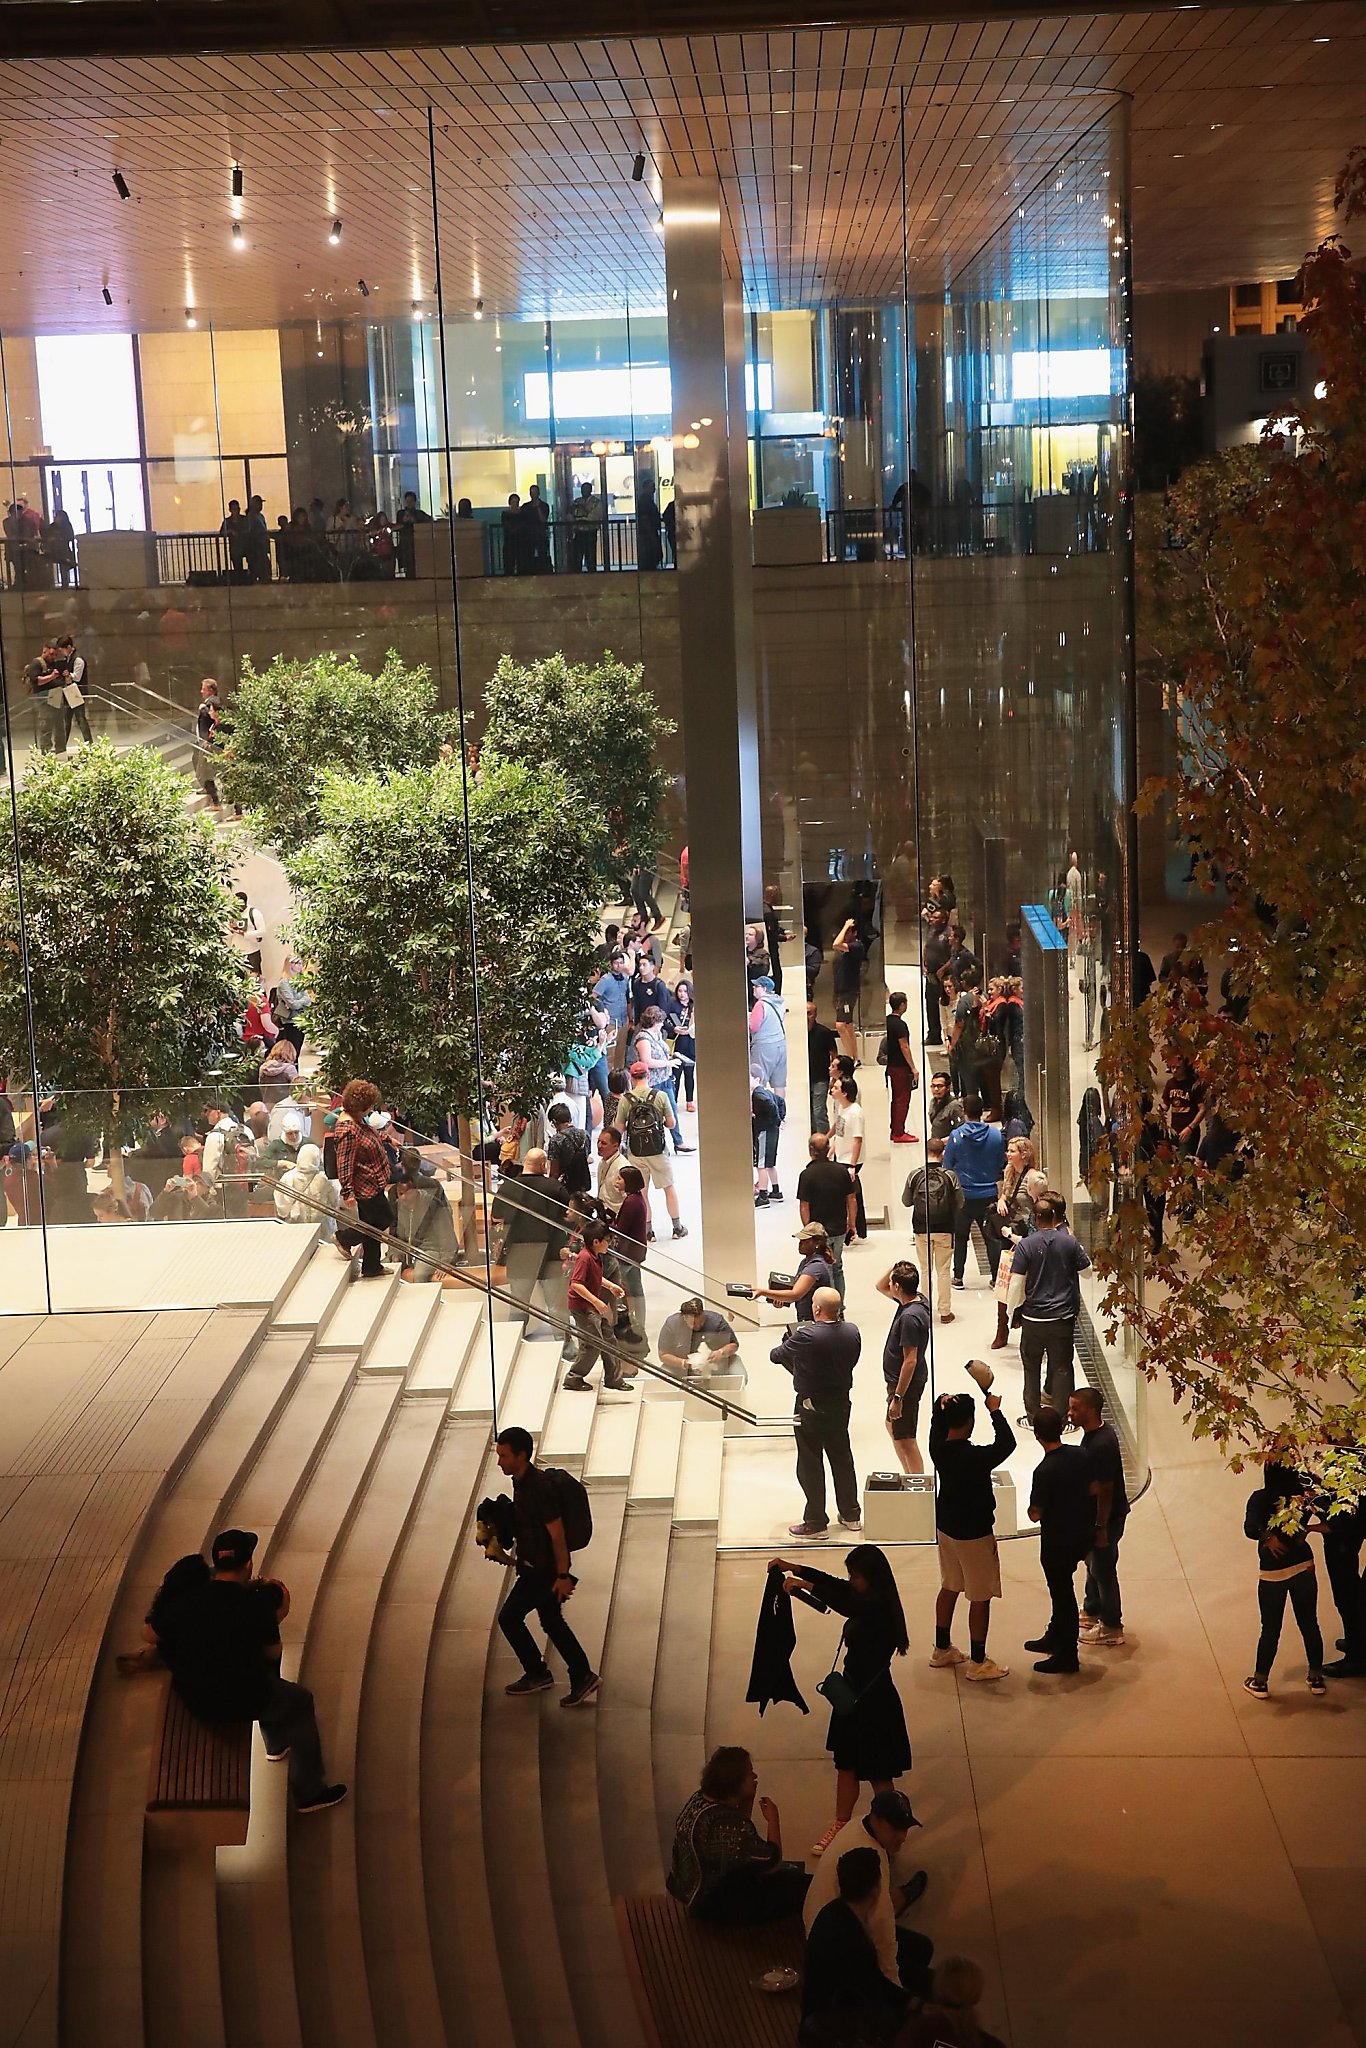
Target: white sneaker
(1089,1623)
(1104,1638)
(986,1669)
(819,1848)
(943,1658)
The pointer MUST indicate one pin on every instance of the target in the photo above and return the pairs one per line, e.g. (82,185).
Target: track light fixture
(121,185)
(238,238)
(479,309)
(190,320)
(237,181)
(363,287)
(107,295)
(335,236)
(638,169)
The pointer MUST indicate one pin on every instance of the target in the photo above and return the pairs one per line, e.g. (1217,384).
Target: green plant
(598,725)
(134,981)
(293,723)
(1258,621)
(384,924)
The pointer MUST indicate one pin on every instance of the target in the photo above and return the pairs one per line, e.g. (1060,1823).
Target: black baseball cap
(232,1548)
(894,1808)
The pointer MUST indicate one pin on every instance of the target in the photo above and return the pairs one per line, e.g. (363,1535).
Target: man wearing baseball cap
(222,1642)
(815,1270)
(903,1956)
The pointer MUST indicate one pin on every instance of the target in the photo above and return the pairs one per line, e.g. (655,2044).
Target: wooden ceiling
(1241,118)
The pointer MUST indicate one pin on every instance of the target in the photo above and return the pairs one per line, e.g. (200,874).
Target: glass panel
(1023,654)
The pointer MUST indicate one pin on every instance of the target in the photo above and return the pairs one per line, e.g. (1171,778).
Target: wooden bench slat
(696,1982)
(199,1766)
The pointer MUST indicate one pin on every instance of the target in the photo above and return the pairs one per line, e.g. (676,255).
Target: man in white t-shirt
(903,1956)
(847,1143)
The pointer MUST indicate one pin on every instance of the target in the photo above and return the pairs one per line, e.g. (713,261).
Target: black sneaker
(585,1690)
(1257,1687)
(914,1888)
(1316,1684)
(1345,1667)
(575,1385)
(1056,1666)
(761,1198)
(1040,1647)
(680,1230)
(521,1687)
(775,1193)
(960,1284)
(330,1795)
(276,1756)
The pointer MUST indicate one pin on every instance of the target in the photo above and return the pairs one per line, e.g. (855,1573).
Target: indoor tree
(292,723)
(1256,1318)
(384,922)
(132,982)
(598,725)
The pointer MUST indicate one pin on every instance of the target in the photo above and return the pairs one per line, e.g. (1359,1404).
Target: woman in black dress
(869,1743)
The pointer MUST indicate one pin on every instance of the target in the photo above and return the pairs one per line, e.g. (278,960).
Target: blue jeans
(1102,1578)
(819,1120)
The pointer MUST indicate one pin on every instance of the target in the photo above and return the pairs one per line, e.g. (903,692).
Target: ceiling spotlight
(190,320)
(121,185)
(416,305)
(638,169)
(107,295)
(335,235)
(237,181)
(479,309)
(363,287)
(238,238)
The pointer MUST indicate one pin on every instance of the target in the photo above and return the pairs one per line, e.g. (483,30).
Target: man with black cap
(903,1955)
(222,1642)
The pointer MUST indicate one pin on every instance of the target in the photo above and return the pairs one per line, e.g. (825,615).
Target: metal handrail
(184,732)
(464,1276)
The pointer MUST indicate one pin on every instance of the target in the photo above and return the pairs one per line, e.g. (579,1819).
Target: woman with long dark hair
(867,1735)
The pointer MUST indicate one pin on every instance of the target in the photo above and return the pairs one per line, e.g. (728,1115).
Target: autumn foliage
(1256,1314)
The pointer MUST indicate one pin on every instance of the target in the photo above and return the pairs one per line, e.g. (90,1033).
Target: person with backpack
(567,1151)
(976,1153)
(766,1113)
(934,1196)
(552,1519)
(645,1117)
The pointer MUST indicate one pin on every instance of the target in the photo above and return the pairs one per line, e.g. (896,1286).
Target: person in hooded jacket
(976,1152)
(305,1194)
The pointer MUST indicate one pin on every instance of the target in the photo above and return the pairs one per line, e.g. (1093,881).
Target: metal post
(720,734)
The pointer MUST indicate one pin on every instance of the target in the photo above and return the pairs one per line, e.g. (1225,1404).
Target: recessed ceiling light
(1323,39)
(335,233)
(238,242)
(796,167)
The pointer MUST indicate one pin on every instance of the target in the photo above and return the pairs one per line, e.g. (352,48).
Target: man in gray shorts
(643,1113)
(965,1518)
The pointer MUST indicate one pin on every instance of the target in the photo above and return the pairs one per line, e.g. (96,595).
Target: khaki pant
(934,1256)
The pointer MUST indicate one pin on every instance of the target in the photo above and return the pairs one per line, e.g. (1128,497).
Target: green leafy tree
(384,924)
(1258,621)
(293,723)
(135,983)
(598,725)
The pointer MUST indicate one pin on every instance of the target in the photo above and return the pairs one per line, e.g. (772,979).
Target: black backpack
(569,1150)
(936,1203)
(576,1510)
(644,1127)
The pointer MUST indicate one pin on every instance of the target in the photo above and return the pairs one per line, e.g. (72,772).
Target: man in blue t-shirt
(1045,1285)
(976,1152)
(904,1364)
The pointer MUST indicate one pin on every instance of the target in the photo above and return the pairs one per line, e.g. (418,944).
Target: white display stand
(1007,1503)
(904,1516)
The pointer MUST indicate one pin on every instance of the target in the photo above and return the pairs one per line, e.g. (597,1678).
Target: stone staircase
(469,1878)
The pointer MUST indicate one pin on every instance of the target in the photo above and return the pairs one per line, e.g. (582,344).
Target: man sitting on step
(222,1642)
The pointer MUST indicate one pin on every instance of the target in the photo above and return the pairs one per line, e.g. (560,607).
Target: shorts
(904,1426)
(844,1009)
(656,1167)
(971,1565)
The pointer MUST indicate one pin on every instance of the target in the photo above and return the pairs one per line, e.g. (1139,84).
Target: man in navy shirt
(612,992)
(1101,1622)
(821,1355)
(903,1360)
(1062,1504)
(1045,1285)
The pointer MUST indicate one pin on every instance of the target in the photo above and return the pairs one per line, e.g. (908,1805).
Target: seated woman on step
(723,1868)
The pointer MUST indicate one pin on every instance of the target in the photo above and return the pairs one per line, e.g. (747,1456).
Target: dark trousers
(686,1044)
(914,1957)
(643,896)
(860,1215)
(1342,1555)
(593,1334)
(899,1081)
(976,1209)
(374,1210)
(583,548)
(597,1085)
(288,1722)
(1101,1597)
(1303,1594)
(75,713)
(1064,1623)
(752,1898)
(534,1593)
(1052,1341)
(821,1428)
(934,1034)
(820,1095)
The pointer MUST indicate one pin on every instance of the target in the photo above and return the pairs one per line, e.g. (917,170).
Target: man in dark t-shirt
(1101,1623)
(222,1642)
(825,1195)
(821,1045)
(544,1579)
(1062,1504)
(902,1073)
(904,1366)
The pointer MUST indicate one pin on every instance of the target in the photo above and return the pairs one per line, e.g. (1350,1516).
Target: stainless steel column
(720,732)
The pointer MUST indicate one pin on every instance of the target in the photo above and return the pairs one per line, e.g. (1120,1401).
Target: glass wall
(398,412)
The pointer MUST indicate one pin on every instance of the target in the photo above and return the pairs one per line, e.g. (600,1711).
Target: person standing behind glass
(649,529)
(44,679)
(585,517)
(682,1029)
(257,541)
(513,536)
